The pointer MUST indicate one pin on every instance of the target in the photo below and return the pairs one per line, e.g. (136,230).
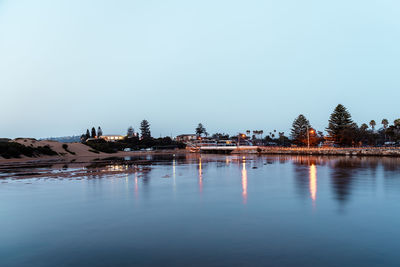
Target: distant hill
(64,139)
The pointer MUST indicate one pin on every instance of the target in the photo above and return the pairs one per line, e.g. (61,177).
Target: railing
(327,148)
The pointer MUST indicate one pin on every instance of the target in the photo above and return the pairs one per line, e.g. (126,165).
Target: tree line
(130,141)
(144,129)
(343,131)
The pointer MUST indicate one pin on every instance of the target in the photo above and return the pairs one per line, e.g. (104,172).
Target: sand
(82,153)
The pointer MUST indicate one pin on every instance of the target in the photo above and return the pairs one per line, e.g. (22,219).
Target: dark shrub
(16,150)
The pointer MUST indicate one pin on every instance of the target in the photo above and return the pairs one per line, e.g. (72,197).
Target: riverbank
(71,152)
(370,151)
(78,153)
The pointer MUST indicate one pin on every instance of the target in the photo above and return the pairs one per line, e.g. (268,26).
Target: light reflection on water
(200,176)
(207,210)
(244,180)
(313,182)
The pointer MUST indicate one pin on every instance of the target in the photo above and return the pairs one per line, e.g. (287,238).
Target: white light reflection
(174,173)
(313,182)
(244,181)
(200,176)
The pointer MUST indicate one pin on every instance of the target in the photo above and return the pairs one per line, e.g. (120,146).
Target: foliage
(94,151)
(134,143)
(349,135)
(130,132)
(102,145)
(340,125)
(16,150)
(220,136)
(372,123)
(201,130)
(145,129)
(385,123)
(363,127)
(65,146)
(93,133)
(99,131)
(299,130)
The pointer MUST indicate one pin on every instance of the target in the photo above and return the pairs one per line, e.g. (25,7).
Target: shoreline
(103,157)
(122,163)
(85,158)
(370,151)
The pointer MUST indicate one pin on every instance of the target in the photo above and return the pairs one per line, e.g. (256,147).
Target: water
(207,211)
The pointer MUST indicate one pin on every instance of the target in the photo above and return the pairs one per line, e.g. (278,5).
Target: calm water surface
(189,210)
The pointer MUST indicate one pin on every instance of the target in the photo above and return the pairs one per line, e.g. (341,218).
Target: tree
(299,130)
(255,132)
(145,129)
(363,127)
(130,132)
(83,138)
(220,136)
(200,130)
(339,121)
(93,133)
(87,134)
(385,123)
(372,123)
(99,131)
(396,123)
(350,135)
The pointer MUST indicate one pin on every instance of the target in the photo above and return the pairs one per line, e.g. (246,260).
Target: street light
(308,136)
(240,135)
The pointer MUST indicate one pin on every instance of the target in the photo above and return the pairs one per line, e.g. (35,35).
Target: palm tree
(364,127)
(372,123)
(385,123)
(396,123)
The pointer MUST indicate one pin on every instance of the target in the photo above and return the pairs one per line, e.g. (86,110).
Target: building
(112,138)
(186,137)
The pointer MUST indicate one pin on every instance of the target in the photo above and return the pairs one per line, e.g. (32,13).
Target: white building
(112,137)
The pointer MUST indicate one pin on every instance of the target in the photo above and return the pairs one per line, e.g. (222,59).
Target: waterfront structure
(186,137)
(112,138)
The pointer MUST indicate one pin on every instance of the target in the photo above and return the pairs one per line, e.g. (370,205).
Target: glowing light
(244,181)
(313,182)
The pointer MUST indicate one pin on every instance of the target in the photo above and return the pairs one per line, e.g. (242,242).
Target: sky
(68,65)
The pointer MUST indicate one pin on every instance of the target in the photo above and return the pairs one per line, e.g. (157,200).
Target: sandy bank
(77,152)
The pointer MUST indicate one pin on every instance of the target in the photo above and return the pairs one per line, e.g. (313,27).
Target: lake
(208,210)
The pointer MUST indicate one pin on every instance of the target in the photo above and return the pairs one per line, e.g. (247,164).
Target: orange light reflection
(313,182)
(244,181)
(200,176)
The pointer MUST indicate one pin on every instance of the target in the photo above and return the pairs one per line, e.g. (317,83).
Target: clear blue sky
(232,65)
